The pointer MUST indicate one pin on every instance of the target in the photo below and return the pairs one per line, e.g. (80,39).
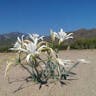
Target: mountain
(8,39)
(84,33)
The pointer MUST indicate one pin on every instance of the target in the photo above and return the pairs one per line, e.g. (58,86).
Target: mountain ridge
(8,39)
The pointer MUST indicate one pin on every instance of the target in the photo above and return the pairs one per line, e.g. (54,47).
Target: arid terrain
(82,84)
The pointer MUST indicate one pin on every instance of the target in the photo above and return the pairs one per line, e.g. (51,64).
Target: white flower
(61,35)
(53,35)
(33,50)
(31,47)
(18,46)
(35,38)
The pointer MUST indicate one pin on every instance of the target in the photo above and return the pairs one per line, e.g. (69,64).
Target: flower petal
(18,39)
(28,57)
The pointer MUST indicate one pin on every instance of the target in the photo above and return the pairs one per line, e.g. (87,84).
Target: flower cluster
(61,35)
(33,50)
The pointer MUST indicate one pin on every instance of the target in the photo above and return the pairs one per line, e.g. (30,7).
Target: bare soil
(82,84)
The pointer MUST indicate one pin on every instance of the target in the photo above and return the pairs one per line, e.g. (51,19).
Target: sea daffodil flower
(53,35)
(18,46)
(35,38)
(32,49)
(61,35)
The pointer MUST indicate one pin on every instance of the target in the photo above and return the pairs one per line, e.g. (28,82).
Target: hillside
(84,33)
(8,39)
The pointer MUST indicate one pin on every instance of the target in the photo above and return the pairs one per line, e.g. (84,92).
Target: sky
(39,16)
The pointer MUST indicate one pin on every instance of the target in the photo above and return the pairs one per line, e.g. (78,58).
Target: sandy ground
(82,84)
